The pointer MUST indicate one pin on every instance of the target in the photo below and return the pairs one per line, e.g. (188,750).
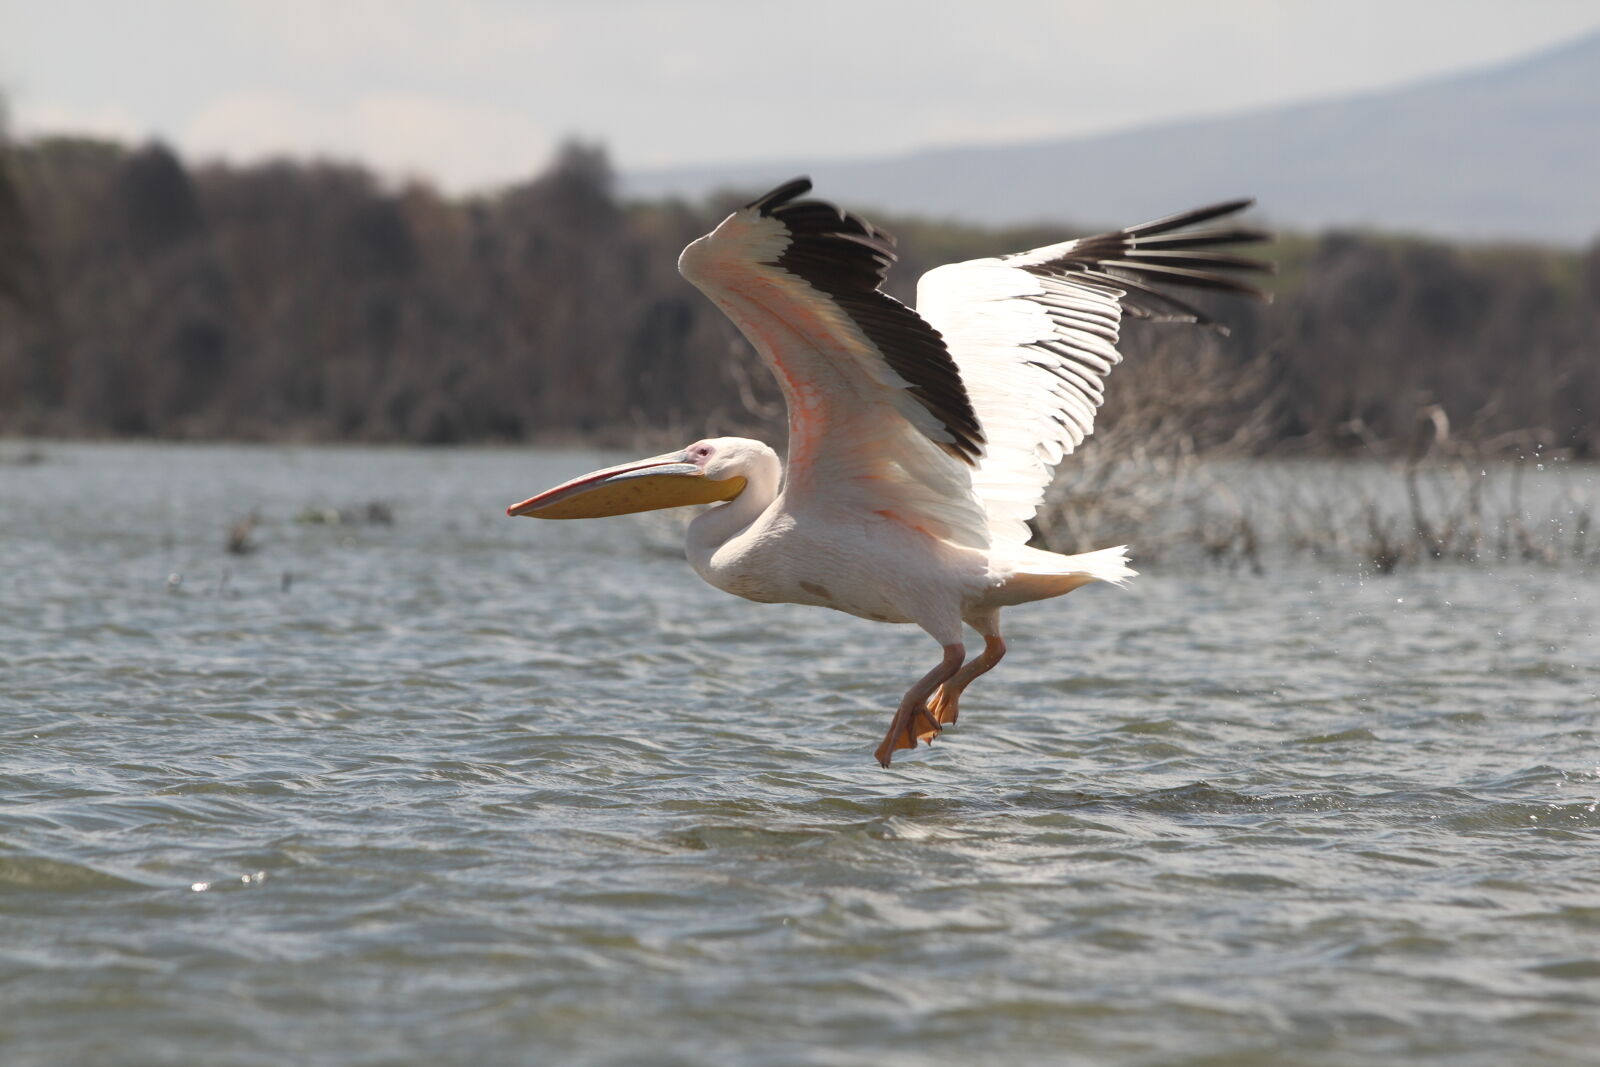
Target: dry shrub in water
(1141,476)
(1448,500)
(1155,477)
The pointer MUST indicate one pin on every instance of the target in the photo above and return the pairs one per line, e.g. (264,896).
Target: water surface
(467,789)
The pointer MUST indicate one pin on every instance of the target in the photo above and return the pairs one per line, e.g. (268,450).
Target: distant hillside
(1508,152)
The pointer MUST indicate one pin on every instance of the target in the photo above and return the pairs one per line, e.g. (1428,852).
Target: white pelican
(920,442)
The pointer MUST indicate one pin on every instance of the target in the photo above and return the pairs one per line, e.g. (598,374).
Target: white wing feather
(1034,352)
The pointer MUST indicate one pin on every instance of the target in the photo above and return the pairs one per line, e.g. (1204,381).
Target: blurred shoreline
(312,302)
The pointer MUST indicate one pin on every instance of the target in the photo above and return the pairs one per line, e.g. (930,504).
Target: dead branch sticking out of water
(1454,514)
(1146,482)
(372,513)
(1456,511)
(240,541)
(1142,475)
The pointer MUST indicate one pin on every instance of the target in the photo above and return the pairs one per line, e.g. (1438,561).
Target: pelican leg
(912,720)
(943,705)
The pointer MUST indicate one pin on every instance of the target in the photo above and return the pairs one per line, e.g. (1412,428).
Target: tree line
(140,296)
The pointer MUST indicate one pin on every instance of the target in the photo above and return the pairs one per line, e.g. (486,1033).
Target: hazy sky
(476,92)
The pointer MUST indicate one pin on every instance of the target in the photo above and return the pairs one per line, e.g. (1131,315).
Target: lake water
(466,789)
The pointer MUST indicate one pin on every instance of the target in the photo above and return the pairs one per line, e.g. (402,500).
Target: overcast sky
(476,92)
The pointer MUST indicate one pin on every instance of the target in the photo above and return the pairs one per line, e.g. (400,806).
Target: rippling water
(468,789)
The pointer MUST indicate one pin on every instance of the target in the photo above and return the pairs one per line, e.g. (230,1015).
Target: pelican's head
(704,473)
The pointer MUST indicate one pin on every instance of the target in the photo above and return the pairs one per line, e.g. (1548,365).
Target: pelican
(920,441)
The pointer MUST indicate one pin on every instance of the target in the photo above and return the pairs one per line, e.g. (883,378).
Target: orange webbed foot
(904,732)
(913,721)
(944,706)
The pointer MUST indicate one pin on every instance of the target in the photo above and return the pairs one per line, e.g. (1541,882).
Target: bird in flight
(920,441)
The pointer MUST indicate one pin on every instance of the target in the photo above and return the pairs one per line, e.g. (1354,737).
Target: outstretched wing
(1035,335)
(879,419)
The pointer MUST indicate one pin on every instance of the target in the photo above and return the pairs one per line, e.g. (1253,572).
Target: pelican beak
(668,481)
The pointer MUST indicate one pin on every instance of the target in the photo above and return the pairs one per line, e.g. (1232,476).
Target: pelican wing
(1035,336)
(879,418)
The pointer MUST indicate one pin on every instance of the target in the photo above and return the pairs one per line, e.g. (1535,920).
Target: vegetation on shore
(313,301)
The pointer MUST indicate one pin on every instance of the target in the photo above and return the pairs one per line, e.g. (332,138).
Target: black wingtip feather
(781,195)
(1238,235)
(1193,217)
(1137,258)
(1200,279)
(1202,258)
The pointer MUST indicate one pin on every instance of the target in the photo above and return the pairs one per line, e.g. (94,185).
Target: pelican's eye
(701,451)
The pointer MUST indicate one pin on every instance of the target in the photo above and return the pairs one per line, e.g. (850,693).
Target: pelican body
(920,441)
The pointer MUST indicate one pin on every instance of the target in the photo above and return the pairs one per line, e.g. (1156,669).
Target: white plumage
(920,442)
